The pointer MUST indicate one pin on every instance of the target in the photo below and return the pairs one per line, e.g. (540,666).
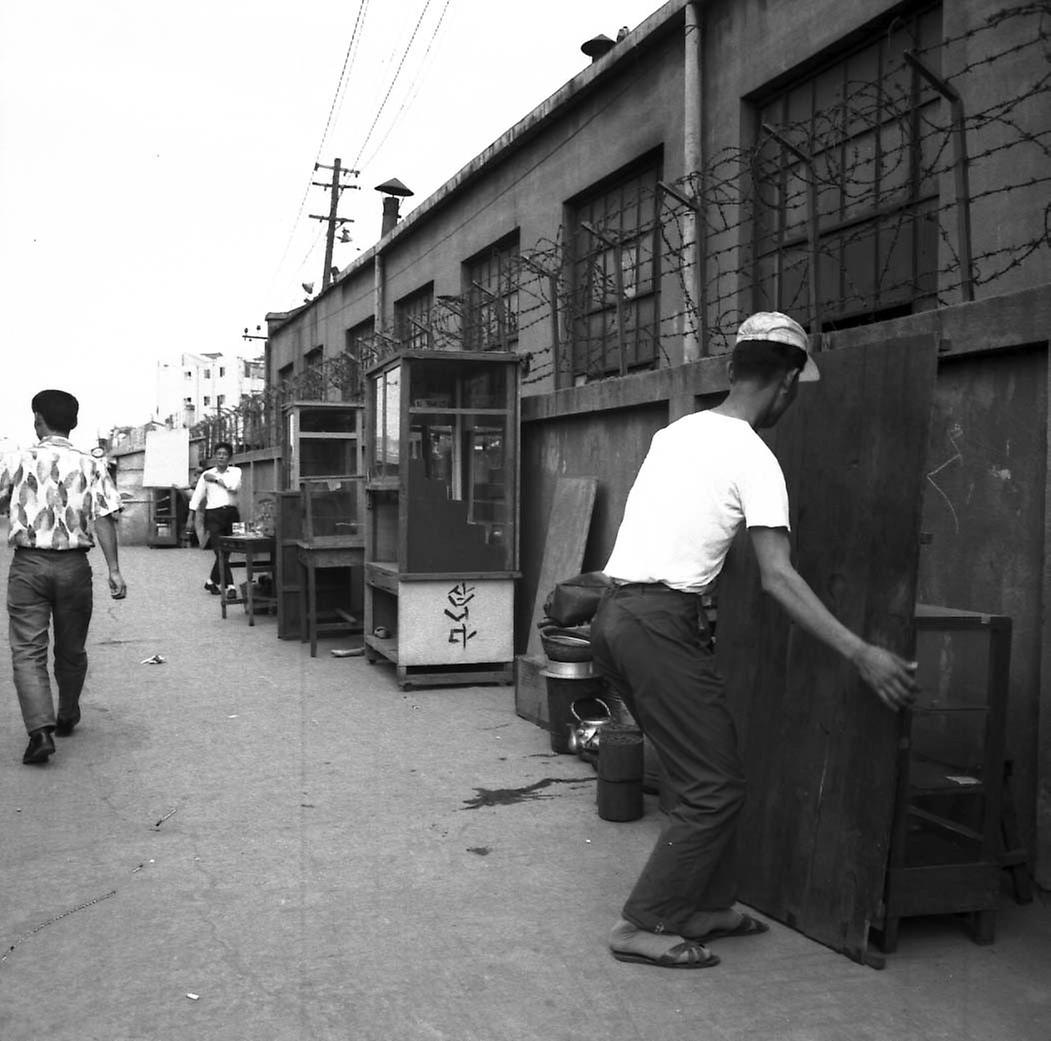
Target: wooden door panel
(819,747)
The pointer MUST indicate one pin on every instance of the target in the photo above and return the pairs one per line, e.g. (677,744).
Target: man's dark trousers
(220,521)
(44,588)
(652,645)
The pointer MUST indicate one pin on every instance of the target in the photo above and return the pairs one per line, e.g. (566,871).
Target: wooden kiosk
(441,537)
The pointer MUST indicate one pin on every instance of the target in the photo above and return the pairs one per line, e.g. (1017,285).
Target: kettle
(591,715)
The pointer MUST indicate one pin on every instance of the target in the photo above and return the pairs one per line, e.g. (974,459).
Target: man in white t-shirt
(216,497)
(704,476)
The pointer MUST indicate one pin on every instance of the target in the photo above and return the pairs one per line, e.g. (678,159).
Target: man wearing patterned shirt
(54,491)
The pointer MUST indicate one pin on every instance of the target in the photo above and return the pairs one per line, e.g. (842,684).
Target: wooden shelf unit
(945,843)
(322,440)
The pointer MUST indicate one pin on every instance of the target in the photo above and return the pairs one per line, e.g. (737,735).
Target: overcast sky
(155,162)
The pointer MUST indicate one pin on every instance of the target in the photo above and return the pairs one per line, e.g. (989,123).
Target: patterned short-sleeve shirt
(54,491)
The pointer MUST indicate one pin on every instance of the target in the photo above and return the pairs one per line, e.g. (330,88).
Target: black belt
(48,549)
(653,587)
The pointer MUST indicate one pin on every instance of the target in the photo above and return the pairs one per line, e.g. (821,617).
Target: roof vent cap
(597,46)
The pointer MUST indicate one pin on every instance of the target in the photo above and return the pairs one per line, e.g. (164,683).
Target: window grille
(490,315)
(866,124)
(412,319)
(615,276)
(312,384)
(358,349)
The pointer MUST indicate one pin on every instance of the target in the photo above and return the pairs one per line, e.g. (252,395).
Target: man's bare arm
(106,533)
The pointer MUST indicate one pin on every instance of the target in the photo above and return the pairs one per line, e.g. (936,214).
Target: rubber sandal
(747,926)
(697,957)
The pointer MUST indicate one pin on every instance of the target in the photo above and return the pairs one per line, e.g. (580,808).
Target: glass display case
(333,511)
(442,488)
(946,841)
(322,440)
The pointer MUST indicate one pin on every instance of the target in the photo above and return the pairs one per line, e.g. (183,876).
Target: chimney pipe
(393,191)
(390,213)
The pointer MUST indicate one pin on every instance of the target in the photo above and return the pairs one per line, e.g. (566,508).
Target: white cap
(779,328)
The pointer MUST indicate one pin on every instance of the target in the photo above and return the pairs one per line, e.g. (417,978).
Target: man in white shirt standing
(216,496)
(704,476)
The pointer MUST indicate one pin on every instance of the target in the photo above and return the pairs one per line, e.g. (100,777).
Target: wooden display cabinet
(441,550)
(168,512)
(322,440)
(945,843)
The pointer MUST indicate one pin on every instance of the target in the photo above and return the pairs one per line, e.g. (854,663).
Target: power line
(397,73)
(336,98)
(410,94)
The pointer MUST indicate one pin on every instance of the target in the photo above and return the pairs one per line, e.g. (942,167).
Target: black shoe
(64,724)
(212,588)
(41,745)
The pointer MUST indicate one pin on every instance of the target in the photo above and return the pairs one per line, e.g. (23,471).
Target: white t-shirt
(704,476)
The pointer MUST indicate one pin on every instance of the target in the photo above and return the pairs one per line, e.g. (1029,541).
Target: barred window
(866,123)
(490,317)
(359,351)
(615,275)
(312,382)
(412,318)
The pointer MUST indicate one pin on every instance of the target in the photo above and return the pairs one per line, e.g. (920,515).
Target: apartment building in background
(201,385)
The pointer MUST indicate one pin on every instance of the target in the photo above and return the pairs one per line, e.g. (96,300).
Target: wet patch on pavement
(511,796)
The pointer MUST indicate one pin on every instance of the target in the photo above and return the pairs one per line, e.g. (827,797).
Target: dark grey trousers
(48,588)
(652,646)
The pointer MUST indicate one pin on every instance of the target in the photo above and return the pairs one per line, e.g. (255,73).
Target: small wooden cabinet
(168,512)
(441,538)
(330,556)
(288,530)
(322,440)
(946,839)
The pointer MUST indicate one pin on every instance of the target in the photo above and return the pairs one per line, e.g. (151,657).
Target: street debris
(164,818)
(193,997)
(56,918)
(157,659)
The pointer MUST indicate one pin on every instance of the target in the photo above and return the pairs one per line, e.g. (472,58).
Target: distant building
(199,385)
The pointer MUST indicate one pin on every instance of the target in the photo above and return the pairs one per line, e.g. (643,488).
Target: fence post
(812,228)
(695,343)
(960,164)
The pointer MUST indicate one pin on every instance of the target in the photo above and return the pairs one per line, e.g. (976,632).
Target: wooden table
(337,551)
(258,551)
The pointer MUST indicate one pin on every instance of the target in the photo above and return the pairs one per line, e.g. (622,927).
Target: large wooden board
(567,536)
(819,748)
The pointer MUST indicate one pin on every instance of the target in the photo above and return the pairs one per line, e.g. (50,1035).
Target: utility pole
(330,235)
